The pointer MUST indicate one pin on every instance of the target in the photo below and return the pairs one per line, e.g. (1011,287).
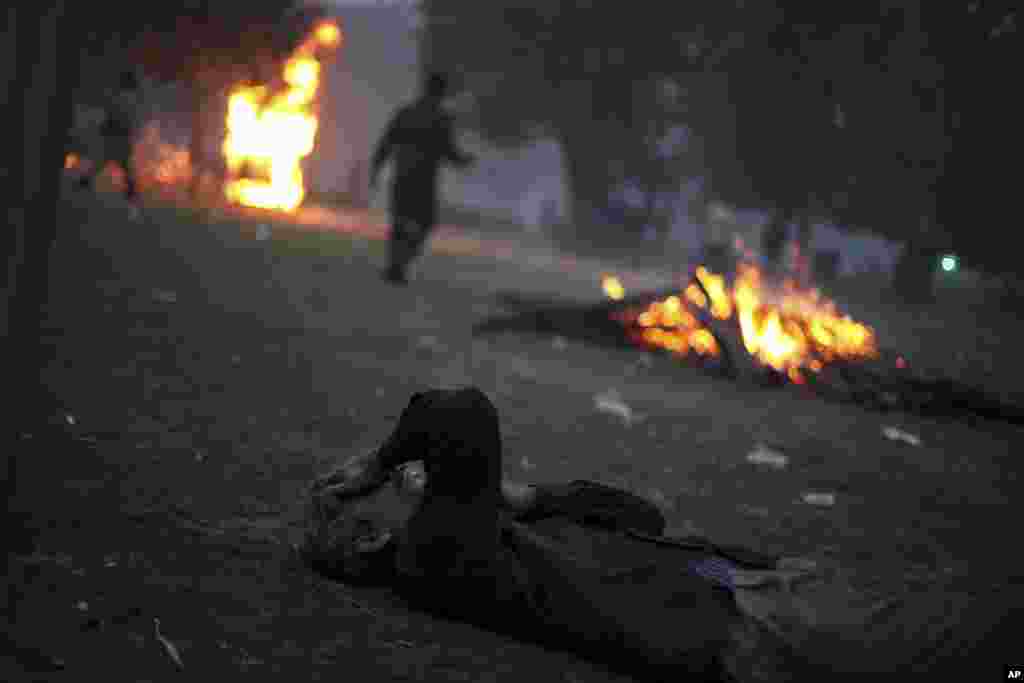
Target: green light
(949,263)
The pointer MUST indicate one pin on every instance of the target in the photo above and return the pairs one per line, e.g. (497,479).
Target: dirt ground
(210,374)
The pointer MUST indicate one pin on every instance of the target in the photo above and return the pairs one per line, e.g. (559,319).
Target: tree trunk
(39,82)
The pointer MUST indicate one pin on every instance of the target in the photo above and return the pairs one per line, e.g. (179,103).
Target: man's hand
(359,475)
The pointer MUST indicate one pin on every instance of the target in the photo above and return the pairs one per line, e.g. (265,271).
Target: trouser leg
(122,156)
(417,239)
(397,248)
(406,241)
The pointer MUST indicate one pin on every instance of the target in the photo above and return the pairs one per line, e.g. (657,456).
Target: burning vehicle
(269,129)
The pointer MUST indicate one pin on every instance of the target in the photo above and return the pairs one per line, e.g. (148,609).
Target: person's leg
(121,154)
(87,180)
(418,237)
(130,190)
(398,248)
(424,219)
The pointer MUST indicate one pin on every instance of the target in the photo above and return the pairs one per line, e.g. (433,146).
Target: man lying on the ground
(580,566)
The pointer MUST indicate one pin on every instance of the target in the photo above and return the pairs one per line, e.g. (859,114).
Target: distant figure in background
(118,132)
(419,138)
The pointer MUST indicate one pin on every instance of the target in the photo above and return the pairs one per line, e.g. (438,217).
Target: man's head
(436,86)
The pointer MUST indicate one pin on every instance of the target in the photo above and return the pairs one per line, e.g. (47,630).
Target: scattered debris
(82,606)
(763,455)
(896,434)
(263,232)
(70,419)
(611,402)
(199,456)
(169,647)
(110,561)
(403,643)
(165,296)
(559,343)
(820,499)
(526,464)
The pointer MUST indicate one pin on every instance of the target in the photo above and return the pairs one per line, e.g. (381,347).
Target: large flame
(792,330)
(270,133)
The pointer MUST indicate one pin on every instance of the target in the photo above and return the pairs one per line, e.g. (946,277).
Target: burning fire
(613,288)
(270,133)
(791,331)
(159,163)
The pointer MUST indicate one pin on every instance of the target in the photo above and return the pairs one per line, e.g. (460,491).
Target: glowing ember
(71,160)
(270,133)
(791,331)
(159,163)
(328,34)
(613,288)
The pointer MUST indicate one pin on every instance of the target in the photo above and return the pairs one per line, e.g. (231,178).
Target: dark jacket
(419,138)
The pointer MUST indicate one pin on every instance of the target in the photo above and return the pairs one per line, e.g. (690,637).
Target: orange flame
(793,331)
(613,287)
(158,163)
(269,134)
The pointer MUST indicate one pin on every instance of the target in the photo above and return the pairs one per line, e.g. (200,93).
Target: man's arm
(385,148)
(451,148)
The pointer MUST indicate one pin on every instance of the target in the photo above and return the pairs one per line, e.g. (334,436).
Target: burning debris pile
(270,130)
(792,331)
(160,163)
(751,331)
